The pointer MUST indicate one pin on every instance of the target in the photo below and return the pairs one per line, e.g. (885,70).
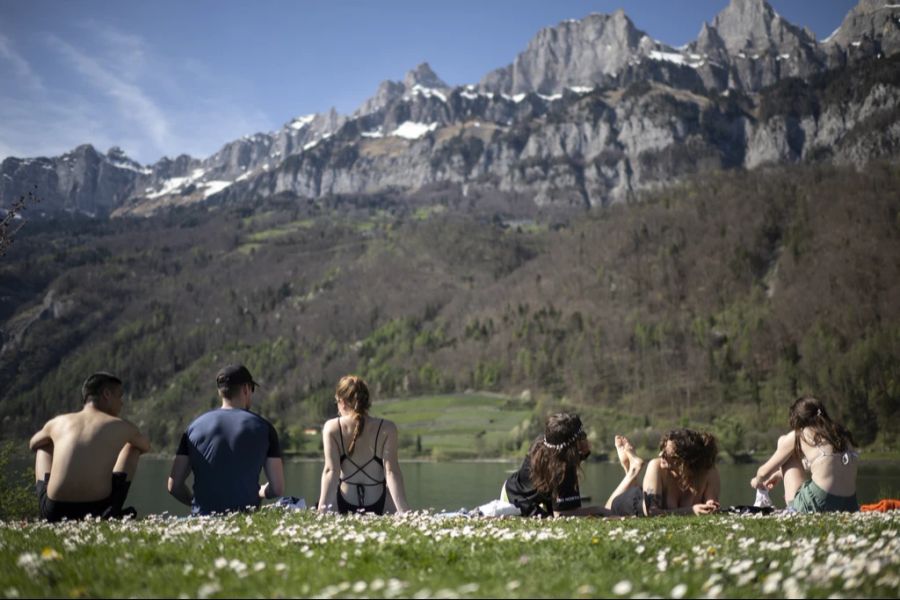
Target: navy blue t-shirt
(227,449)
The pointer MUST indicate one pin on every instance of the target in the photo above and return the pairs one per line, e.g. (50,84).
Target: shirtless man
(85,460)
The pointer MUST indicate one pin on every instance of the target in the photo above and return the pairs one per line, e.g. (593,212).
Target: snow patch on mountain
(301,122)
(412,130)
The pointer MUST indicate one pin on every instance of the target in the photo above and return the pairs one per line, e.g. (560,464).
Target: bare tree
(9,226)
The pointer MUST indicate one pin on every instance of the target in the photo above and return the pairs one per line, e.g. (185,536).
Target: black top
(521,492)
(344,506)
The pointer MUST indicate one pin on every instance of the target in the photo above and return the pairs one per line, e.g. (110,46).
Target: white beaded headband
(575,437)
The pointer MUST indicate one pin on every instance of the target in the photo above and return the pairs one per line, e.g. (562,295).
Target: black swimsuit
(376,507)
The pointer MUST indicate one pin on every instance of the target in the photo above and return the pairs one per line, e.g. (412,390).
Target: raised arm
(392,474)
(42,439)
(331,473)
(138,440)
(768,473)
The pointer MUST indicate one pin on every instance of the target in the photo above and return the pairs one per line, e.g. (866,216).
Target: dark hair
(96,384)
(555,453)
(807,412)
(354,392)
(229,392)
(695,453)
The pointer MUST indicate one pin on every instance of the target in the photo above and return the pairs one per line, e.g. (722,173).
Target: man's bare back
(82,450)
(86,446)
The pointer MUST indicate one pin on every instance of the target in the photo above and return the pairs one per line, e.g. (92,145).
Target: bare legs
(43,460)
(631,463)
(793,476)
(127,462)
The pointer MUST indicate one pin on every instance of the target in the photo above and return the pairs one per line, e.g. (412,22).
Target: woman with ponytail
(361,471)
(818,446)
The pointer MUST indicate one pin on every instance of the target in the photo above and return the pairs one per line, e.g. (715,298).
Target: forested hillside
(714,303)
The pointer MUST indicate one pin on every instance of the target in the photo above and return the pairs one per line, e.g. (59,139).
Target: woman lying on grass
(361,472)
(683,480)
(547,482)
(821,447)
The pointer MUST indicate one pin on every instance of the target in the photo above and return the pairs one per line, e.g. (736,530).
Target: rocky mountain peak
(871,22)
(753,25)
(709,42)
(424,76)
(390,91)
(582,52)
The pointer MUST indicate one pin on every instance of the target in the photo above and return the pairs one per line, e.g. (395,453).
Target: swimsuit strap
(361,468)
(377,433)
(341,431)
(845,456)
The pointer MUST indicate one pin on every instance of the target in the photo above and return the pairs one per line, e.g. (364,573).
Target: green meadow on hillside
(451,426)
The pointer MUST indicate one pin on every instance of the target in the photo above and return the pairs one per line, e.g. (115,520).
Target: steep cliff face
(573,54)
(594,148)
(82,180)
(872,26)
(591,112)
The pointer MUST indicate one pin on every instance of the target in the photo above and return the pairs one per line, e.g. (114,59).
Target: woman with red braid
(361,471)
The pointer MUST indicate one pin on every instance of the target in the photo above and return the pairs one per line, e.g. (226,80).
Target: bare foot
(620,450)
(635,463)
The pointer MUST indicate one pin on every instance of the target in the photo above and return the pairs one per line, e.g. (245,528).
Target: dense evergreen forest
(713,302)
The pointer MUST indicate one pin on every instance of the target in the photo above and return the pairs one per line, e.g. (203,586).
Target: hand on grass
(706,508)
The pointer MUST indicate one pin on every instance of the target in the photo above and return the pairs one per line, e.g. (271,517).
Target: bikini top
(846,457)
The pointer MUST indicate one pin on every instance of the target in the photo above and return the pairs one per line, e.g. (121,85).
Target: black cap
(234,375)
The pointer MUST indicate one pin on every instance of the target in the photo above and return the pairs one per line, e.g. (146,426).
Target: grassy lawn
(277,553)
(458,425)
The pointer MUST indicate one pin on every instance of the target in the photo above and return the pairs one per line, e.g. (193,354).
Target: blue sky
(163,77)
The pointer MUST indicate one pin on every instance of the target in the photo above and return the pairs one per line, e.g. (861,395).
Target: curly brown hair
(694,453)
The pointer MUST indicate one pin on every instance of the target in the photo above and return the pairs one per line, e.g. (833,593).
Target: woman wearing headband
(547,482)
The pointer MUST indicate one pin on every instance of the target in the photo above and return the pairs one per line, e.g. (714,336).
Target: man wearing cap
(85,460)
(226,449)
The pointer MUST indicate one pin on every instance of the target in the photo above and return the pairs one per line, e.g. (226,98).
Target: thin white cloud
(20,65)
(132,102)
(124,93)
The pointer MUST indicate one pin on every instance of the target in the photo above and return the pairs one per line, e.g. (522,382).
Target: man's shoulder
(210,415)
(234,416)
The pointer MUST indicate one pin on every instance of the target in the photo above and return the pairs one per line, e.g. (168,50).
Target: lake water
(450,486)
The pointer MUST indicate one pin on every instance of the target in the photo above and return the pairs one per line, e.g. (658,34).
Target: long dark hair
(555,453)
(695,453)
(809,413)
(354,392)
